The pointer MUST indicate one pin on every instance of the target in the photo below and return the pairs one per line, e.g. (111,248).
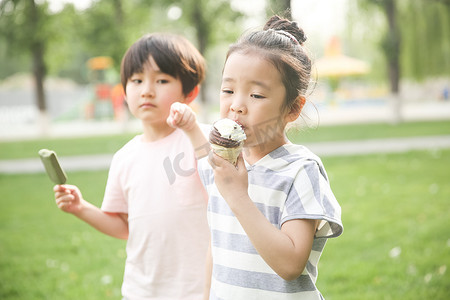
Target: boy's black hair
(173,54)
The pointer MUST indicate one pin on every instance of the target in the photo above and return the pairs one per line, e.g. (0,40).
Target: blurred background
(378,115)
(374,60)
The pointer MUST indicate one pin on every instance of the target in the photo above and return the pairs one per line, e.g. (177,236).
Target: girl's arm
(287,250)
(183,117)
(69,199)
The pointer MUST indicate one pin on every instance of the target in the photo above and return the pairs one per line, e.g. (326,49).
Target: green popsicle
(52,166)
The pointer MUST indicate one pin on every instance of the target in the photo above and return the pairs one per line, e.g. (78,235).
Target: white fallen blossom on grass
(395,252)
(51,263)
(106,279)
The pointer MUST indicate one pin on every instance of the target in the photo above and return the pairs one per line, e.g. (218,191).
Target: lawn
(396,241)
(48,254)
(111,143)
(369,131)
(395,244)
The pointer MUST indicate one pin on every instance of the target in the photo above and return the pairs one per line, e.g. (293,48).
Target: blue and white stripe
(289,183)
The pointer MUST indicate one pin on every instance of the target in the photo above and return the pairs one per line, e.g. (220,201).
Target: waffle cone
(230,154)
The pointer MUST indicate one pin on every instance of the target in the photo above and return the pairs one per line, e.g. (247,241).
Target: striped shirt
(288,183)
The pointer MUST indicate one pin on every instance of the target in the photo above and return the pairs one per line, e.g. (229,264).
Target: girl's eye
(162,81)
(135,80)
(227,91)
(256,96)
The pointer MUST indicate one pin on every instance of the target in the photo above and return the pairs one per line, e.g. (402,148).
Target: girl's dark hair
(173,54)
(281,43)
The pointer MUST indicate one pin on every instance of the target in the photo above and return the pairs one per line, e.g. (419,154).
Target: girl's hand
(231,181)
(181,116)
(68,198)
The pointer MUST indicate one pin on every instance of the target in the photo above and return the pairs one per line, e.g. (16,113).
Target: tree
(207,23)
(207,17)
(279,7)
(413,42)
(24,26)
(103,29)
(61,42)
(425,29)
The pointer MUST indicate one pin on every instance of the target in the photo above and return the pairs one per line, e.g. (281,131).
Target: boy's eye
(162,81)
(227,91)
(135,79)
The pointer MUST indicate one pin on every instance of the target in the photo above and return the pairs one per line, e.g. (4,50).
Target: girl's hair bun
(278,23)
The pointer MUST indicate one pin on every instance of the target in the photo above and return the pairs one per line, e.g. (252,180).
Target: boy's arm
(198,141)
(183,117)
(69,199)
(208,273)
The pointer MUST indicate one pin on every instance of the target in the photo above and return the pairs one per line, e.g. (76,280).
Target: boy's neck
(153,133)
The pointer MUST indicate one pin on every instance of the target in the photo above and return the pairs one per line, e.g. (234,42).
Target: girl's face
(150,94)
(253,94)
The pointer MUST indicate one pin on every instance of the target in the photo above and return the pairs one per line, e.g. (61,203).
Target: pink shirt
(157,184)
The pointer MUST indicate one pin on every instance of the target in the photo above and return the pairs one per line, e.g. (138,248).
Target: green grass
(398,201)
(369,131)
(395,201)
(111,143)
(48,254)
(64,146)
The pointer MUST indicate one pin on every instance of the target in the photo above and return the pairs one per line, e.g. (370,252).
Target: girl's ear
(296,109)
(192,95)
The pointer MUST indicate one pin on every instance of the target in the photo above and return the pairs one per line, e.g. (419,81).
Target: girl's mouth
(240,124)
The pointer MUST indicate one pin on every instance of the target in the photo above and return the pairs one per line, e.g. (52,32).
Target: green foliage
(425,38)
(22,26)
(278,7)
(66,54)
(102,32)
(107,28)
(424,29)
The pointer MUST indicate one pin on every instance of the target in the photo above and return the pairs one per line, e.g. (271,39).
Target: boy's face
(151,93)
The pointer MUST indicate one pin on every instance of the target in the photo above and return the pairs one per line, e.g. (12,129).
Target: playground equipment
(107,97)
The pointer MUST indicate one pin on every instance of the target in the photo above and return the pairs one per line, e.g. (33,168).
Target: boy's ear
(192,95)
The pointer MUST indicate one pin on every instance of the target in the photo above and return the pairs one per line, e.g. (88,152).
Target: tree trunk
(39,70)
(39,75)
(392,49)
(118,11)
(202,31)
(280,7)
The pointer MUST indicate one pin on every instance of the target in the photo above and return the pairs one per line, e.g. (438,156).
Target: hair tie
(288,35)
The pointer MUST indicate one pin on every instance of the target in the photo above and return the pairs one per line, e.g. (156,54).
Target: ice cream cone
(230,154)
(227,139)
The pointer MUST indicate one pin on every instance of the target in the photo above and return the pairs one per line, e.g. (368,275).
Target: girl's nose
(238,107)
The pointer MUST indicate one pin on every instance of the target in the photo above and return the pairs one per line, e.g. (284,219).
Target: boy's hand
(68,198)
(181,116)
